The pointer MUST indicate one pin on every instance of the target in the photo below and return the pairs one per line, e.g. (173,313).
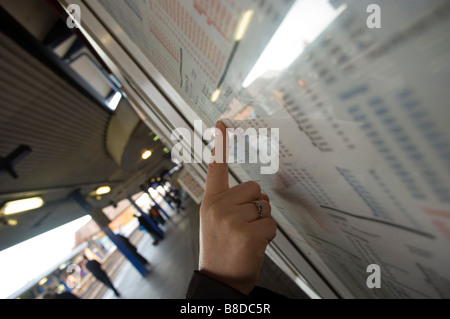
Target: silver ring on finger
(259,207)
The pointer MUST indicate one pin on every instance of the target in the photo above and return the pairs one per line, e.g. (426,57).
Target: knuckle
(267,207)
(272,228)
(272,224)
(254,187)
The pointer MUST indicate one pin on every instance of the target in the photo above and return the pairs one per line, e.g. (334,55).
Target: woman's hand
(233,236)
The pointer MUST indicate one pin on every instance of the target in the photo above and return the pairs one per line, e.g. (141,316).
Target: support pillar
(103,221)
(156,204)
(152,223)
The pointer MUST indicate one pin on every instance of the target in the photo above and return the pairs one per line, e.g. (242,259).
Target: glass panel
(356,91)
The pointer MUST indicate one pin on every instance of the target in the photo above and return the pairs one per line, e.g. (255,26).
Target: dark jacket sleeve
(204,287)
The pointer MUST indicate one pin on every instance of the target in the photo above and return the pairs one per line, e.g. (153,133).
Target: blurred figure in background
(157,234)
(156,216)
(174,197)
(97,271)
(133,248)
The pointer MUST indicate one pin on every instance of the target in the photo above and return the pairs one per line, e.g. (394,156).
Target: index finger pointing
(217,176)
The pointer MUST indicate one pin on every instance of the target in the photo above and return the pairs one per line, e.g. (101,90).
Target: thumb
(217,176)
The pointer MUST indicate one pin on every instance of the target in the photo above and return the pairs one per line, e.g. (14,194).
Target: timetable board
(364,145)
(191,186)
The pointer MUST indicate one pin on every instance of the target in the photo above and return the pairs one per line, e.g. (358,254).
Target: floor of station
(174,259)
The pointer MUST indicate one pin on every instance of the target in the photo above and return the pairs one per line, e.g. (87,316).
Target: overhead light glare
(243,25)
(308,19)
(215,95)
(146,154)
(115,101)
(22,205)
(12,222)
(43,281)
(103,190)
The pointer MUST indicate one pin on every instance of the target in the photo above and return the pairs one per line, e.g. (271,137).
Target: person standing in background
(97,271)
(149,228)
(133,248)
(156,216)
